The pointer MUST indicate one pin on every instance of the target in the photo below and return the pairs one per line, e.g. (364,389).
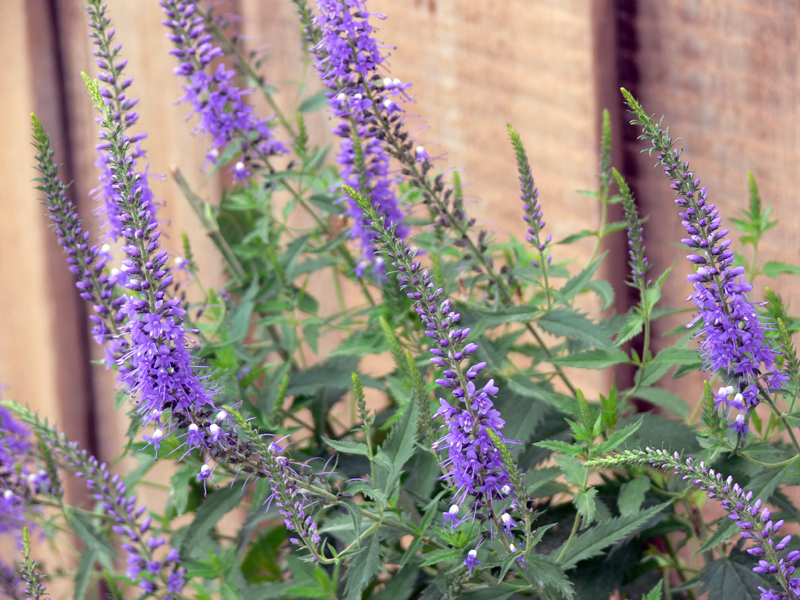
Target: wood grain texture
(725,75)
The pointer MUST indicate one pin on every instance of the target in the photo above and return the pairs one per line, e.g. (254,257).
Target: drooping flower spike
(474,463)
(146,567)
(215,97)
(734,342)
(349,59)
(752,517)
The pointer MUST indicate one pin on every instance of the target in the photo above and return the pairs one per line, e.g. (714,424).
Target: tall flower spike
(86,261)
(474,463)
(115,93)
(734,342)
(349,59)
(637,260)
(158,365)
(753,518)
(216,98)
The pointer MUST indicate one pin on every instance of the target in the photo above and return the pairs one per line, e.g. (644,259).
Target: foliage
(338,483)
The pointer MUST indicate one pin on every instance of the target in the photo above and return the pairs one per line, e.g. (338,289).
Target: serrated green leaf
(618,437)
(631,495)
(591,359)
(347,447)
(578,283)
(632,327)
(363,567)
(85,529)
(577,236)
(399,447)
(655,593)
(774,268)
(571,324)
(215,506)
(83,575)
(732,578)
(604,291)
(574,471)
(586,504)
(592,542)
(547,573)
(443,555)
(559,446)
(677,356)
(179,488)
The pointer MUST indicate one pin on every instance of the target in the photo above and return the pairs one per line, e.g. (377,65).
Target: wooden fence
(724,72)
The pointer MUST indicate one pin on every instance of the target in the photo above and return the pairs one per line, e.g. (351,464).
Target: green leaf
(591,359)
(773,269)
(664,399)
(592,542)
(571,324)
(655,593)
(574,471)
(180,483)
(732,578)
(578,283)
(632,327)
(84,573)
(631,495)
(85,529)
(577,236)
(214,507)
(443,555)
(487,319)
(678,356)
(312,103)
(604,291)
(558,446)
(618,437)
(546,573)
(586,504)
(399,447)
(347,447)
(363,567)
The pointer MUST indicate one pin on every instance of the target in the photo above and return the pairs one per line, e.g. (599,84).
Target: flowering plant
(464,470)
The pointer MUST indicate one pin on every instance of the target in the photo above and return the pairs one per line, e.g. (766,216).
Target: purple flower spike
(753,520)
(215,97)
(474,463)
(349,61)
(733,343)
(115,94)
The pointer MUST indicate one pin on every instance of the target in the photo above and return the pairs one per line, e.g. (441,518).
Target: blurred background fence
(724,72)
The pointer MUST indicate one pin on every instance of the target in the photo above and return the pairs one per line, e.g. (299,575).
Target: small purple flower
(472,560)
(637,260)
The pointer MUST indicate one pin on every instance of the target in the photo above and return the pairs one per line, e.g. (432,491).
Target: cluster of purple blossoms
(734,341)
(474,464)
(114,92)
(291,501)
(215,97)
(110,491)
(753,519)
(20,480)
(349,62)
